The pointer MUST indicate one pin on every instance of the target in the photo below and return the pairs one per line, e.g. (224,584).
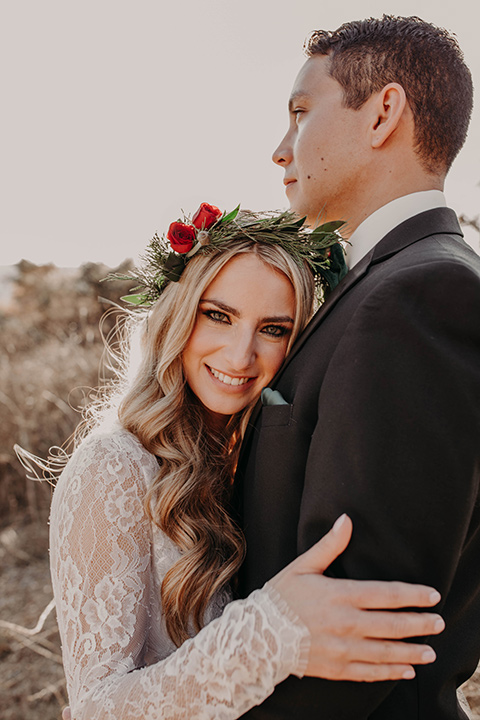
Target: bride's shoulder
(112,449)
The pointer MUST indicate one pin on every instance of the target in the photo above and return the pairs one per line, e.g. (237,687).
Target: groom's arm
(397,447)
(402,452)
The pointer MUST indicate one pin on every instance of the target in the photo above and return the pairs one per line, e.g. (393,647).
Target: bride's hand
(353,637)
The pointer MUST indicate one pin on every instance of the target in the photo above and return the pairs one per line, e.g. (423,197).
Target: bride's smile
(244,321)
(228,379)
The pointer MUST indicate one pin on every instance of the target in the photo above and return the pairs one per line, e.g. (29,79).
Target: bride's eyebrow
(221,305)
(278,319)
(236,313)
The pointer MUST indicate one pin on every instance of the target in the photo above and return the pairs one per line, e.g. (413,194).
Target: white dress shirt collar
(379,223)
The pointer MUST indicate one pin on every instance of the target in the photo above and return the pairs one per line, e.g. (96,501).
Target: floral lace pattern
(107,563)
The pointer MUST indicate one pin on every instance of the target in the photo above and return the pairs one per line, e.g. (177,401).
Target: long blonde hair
(189,498)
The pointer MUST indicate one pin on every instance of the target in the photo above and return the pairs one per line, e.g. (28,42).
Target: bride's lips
(230,382)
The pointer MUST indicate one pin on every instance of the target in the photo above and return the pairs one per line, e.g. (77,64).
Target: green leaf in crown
(166,257)
(230,216)
(174,267)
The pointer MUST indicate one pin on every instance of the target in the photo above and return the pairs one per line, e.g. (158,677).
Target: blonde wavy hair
(189,498)
(190,495)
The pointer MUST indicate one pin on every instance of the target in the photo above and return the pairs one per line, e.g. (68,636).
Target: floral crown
(208,229)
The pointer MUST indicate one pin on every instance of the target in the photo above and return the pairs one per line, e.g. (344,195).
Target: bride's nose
(241,351)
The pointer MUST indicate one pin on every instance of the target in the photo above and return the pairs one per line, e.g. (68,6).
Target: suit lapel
(430,222)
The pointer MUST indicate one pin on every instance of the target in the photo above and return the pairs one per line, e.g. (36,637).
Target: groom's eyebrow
(299,95)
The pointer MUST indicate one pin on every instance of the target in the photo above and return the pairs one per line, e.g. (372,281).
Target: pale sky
(118,114)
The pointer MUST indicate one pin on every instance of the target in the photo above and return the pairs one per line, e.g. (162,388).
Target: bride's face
(244,321)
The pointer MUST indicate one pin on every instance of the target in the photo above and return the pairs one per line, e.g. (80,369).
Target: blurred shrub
(51,352)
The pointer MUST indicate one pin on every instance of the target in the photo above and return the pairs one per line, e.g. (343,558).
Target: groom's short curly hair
(427,61)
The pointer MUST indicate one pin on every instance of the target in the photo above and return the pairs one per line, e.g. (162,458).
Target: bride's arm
(101,561)
(105,591)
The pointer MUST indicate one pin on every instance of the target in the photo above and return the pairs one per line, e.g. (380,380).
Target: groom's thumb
(324,552)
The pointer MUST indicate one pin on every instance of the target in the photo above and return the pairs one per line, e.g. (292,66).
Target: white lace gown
(107,562)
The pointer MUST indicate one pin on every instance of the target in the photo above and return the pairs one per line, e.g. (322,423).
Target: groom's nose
(283,154)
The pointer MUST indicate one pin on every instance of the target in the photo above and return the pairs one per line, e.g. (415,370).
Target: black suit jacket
(384,424)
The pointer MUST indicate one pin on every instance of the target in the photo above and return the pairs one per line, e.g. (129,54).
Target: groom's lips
(288,182)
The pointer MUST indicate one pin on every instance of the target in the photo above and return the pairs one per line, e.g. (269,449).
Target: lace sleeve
(107,604)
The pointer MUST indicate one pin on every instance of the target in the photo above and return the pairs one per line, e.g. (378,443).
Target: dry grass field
(32,686)
(51,351)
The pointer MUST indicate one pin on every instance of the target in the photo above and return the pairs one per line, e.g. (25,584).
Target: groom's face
(324,152)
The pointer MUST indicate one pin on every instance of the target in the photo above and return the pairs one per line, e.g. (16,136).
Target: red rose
(206,216)
(181,237)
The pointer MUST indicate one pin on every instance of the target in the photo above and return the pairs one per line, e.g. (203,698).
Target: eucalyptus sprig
(320,248)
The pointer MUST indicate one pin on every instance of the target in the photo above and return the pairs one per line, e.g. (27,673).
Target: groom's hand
(353,636)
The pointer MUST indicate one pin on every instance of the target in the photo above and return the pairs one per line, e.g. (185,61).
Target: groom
(383,387)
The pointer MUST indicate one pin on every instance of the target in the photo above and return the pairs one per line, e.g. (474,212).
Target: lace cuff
(297,626)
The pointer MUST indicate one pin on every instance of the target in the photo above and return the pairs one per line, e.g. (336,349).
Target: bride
(143,549)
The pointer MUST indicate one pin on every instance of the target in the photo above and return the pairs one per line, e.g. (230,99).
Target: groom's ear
(388,108)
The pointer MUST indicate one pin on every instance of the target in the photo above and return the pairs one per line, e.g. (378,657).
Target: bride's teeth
(227,379)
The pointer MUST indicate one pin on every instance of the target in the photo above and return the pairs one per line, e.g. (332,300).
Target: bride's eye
(275,330)
(216,316)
